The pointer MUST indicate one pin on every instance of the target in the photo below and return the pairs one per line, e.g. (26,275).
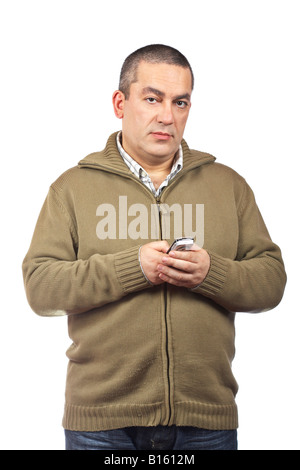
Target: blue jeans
(152,438)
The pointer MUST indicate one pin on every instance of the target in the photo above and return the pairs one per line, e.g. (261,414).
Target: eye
(151,100)
(181,104)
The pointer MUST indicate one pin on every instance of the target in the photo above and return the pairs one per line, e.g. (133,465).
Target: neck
(157,167)
(157,172)
(161,167)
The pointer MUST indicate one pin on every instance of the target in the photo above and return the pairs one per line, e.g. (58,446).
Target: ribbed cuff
(129,271)
(215,278)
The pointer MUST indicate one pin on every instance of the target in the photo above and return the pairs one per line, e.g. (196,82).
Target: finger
(162,246)
(174,277)
(195,247)
(179,275)
(178,264)
(187,256)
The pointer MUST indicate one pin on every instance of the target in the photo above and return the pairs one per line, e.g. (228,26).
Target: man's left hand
(185,268)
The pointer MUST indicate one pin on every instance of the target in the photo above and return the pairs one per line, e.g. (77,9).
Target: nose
(165,115)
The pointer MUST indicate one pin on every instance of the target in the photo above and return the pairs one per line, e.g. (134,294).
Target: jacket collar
(111,161)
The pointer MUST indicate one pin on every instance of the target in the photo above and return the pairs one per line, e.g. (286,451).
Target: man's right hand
(151,256)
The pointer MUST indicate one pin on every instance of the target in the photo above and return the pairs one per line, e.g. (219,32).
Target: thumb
(195,247)
(161,245)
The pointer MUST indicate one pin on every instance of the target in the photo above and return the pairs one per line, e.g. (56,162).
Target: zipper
(157,200)
(168,401)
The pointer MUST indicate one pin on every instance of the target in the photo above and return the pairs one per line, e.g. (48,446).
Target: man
(152,331)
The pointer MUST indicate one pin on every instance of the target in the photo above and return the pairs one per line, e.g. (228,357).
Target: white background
(60,63)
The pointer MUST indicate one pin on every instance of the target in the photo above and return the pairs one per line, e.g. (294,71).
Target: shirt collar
(138,170)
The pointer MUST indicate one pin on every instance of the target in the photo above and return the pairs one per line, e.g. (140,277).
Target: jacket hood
(110,160)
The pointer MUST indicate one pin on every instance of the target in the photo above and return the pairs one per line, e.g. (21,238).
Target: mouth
(161,135)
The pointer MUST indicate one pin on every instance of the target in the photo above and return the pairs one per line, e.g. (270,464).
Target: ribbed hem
(206,416)
(215,278)
(200,415)
(129,270)
(93,418)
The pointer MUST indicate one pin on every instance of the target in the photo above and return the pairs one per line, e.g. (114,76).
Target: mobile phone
(181,244)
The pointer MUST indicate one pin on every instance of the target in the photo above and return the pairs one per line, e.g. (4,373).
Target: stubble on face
(156,112)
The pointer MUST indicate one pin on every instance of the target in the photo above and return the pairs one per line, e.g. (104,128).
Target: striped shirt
(143,176)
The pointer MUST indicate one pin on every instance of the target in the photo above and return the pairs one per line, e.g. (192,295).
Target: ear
(118,100)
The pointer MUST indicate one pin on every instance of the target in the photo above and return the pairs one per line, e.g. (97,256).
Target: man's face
(155,114)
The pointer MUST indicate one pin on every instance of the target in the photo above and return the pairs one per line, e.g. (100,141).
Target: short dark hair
(154,54)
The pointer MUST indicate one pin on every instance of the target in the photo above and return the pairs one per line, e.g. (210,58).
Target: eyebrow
(149,89)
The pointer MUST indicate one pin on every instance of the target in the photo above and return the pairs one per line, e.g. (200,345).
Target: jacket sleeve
(57,283)
(255,280)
